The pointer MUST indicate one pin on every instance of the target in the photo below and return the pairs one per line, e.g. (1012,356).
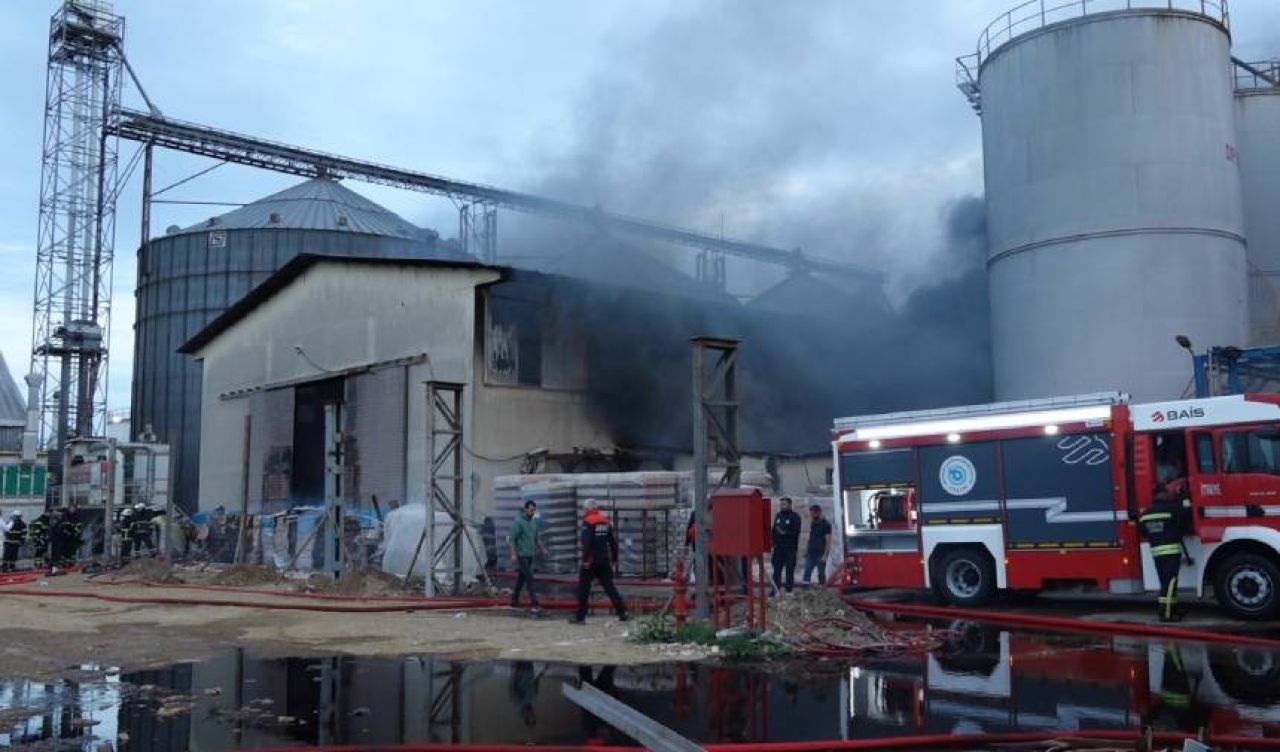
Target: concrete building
(1113,194)
(555,377)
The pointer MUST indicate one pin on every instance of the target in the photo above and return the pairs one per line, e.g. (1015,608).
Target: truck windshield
(1255,451)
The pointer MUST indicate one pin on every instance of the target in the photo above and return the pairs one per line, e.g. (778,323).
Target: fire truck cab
(1036,494)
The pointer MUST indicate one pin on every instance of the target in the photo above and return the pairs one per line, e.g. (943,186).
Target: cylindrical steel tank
(1258,134)
(1113,196)
(189,276)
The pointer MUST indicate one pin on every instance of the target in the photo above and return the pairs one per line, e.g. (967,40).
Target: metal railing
(1036,14)
(1256,75)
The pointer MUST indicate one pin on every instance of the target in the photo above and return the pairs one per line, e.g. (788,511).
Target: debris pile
(816,621)
(365,581)
(151,570)
(248,575)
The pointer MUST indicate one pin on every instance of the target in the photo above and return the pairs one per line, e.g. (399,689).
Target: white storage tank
(1258,134)
(1113,194)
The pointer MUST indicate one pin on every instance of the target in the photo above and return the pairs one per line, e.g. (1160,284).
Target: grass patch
(664,630)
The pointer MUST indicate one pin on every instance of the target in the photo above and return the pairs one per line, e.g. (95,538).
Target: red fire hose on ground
(919,741)
(1059,623)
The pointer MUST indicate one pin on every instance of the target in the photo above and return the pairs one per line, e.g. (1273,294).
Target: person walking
(15,534)
(815,554)
(599,552)
(786,543)
(526,542)
(1163,525)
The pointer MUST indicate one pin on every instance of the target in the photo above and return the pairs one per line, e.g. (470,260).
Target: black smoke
(754,116)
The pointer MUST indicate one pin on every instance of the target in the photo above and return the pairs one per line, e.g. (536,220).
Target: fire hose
(915,741)
(1059,623)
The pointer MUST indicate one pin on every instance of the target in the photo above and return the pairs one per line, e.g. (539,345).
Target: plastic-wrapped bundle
(557,511)
(404,540)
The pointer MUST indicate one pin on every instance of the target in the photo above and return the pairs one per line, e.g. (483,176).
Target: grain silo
(1113,194)
(1258,131)
(189,276)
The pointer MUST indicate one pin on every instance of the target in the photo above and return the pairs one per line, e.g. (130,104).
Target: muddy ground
(46,637)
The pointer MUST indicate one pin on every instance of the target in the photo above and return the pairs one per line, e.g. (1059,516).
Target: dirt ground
(46,637)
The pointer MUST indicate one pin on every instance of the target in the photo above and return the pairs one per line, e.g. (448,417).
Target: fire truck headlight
(874,443)
(953,438)
(1051,430)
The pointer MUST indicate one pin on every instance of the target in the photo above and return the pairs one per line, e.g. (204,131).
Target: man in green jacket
(525,545)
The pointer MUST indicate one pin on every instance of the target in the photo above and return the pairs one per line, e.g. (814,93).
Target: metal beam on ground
(648,732)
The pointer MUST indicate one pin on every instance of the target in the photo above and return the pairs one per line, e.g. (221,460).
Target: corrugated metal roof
(13,408)
(317,204)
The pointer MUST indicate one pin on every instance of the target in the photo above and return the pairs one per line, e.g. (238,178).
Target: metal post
(146,194)
(108,507)
(244,491)
(333,563)
(444,484)
(715,437)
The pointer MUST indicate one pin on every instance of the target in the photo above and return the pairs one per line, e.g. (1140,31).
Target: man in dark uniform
(1163,525)
(140,530)
(124,524)
(786,542)
(599,552)
(39,532)
(66,538)
(14,536)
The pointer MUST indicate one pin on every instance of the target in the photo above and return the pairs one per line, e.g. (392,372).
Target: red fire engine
(1030,495)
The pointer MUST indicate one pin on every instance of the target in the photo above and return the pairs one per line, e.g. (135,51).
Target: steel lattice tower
(77,226)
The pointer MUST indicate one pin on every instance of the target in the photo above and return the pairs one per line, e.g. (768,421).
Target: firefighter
(140,530)
(1174,705)
(125,523)
(66,538)
(599,552)
(14,536)
(1164,525)
(39,532)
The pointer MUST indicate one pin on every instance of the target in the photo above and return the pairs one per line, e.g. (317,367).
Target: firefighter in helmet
(39,532)
(140,530)
(14,536)
(1164,525)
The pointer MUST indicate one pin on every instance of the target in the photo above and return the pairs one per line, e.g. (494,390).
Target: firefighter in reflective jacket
(39,532)
(599,552)
(140,530)
(14,536)
(1163,525)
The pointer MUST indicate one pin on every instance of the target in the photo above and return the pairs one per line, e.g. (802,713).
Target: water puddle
(990,681)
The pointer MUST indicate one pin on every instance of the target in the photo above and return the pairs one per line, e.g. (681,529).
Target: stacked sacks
(557,511)
(641,507)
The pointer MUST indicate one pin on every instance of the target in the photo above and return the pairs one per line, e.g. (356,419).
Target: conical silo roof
(316,204)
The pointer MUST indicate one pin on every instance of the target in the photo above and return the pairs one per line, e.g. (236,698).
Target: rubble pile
(151,570)
(817,620)
(364,581)
(248,575)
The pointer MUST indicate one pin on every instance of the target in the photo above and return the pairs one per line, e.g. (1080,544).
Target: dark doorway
(308,439)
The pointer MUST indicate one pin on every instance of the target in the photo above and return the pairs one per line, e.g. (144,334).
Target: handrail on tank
(1035,14)
(1263,74)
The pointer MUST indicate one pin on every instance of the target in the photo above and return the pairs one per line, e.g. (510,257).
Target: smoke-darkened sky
(829,125)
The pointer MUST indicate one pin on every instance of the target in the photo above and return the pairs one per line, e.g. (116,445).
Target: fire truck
(1038,494)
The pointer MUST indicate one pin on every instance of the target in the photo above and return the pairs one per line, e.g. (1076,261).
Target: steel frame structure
(75,241)
(715,439)
(479,201)
(444,485)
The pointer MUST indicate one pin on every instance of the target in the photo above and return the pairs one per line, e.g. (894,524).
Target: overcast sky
(832,126)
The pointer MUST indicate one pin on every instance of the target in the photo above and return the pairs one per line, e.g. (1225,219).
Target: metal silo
(1113,195)
(189,276)
(1258,132)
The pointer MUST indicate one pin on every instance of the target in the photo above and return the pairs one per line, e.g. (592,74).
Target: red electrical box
(740,523)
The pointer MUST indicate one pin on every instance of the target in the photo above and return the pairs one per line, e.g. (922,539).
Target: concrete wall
(344,315)
(1113,203)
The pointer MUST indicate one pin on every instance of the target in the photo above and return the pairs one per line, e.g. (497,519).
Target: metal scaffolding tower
(715,441)
(444,487)
(74,249)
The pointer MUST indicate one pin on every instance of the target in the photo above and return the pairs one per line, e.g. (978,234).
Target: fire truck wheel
(966,577)
(1248,585)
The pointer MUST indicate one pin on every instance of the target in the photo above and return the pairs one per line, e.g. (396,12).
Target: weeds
(737,647)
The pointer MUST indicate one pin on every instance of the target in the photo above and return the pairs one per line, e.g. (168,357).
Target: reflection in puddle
(989,681)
